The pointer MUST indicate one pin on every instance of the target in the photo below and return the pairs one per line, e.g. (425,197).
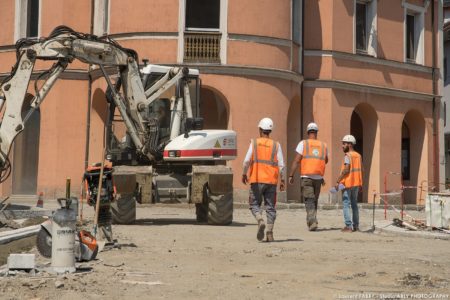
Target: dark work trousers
(310,193)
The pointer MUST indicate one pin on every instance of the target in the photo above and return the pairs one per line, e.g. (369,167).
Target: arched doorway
(413,154)
(26,153)
(367,138)
(214,108)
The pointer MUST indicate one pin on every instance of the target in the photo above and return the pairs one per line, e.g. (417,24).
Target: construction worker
(312,156)
(351,178)
(264,163)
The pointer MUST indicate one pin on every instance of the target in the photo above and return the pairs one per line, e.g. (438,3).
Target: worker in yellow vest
(312,156)
(351,178)
(265,165)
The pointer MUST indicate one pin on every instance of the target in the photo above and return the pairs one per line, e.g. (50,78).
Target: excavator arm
(63,46)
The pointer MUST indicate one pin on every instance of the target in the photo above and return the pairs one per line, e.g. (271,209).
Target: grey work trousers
(310,193)
(268,193)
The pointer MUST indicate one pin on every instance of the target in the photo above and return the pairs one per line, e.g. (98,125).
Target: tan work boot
(261,228)
(313,226)
(269,236)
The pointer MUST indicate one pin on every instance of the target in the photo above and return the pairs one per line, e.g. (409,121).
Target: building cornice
(370,89)
(80,74)
(369,59)
(259,39)
(144,35)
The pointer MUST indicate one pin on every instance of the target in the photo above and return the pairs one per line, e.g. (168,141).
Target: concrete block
(21,261)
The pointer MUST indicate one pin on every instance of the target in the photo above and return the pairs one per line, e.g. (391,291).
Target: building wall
(254,80)
(382,89)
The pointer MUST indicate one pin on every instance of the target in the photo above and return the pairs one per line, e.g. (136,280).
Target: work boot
(269,236)
(355,228)
(313,226)
(346,229)
(261,228)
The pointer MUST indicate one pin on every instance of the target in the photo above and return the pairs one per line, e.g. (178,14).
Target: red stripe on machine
(203,152)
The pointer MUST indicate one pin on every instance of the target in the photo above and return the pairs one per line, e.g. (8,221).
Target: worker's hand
(244,179)
(282,186)
(291,179)
(323,182)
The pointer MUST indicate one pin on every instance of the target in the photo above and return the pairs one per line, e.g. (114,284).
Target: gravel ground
(167,255)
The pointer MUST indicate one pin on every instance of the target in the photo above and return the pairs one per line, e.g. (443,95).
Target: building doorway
(413,155)
(26,153)
(214,109)
(367,138)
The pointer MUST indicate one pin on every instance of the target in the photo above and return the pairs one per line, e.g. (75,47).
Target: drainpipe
(89,98)
(302,69)
(436,102)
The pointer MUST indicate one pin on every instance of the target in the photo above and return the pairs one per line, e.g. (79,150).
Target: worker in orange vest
(264,163)
(312,156)
(351,178)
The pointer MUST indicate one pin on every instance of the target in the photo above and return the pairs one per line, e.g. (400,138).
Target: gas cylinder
(63,237)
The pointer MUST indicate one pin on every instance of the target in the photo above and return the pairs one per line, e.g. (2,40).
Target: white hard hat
(349,139)
(312,127)
(266,124)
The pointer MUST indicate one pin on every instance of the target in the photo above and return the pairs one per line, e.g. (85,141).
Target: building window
(414,33)
(297,21)
(203,15)
(365,27)
(361,27)
(202,36)
(445,68)
(410,44)
(445,113)
(33,18)
(27,18)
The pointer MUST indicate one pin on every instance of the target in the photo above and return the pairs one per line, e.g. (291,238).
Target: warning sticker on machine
(217,145)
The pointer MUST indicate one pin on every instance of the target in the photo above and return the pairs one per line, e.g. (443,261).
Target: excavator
(155,139)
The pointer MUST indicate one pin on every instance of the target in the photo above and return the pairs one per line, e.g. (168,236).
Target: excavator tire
(216,209)
(220,209)
(123,210)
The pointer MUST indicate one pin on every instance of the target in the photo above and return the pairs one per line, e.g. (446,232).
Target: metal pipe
(123,112)
(88,121)
(187,100)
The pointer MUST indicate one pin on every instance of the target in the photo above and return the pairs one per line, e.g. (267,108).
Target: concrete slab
(21,261)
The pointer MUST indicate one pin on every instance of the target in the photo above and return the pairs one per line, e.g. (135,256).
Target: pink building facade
(360,67)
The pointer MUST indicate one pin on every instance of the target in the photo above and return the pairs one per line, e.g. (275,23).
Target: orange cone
(40,202)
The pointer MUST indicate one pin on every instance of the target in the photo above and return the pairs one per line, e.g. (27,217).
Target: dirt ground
(167,255)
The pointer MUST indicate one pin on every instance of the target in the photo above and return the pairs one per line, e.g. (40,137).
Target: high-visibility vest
(354,178)
(313,158)
(264,167)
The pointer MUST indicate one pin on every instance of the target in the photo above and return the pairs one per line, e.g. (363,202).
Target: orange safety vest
(264,164)
(354,178)
(313,158)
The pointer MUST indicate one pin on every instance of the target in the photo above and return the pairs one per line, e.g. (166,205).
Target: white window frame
(101,17)
(223,29)
(419,31)
(371,23)
(21,19)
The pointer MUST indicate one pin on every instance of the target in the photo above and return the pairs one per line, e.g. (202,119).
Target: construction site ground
(167,255)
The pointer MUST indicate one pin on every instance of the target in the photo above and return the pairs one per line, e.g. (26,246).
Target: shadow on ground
(180,221)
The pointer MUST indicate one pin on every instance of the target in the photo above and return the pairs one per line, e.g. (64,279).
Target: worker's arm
(281,167)
(345,171)
(246,165)
(326,154)
(294,166)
